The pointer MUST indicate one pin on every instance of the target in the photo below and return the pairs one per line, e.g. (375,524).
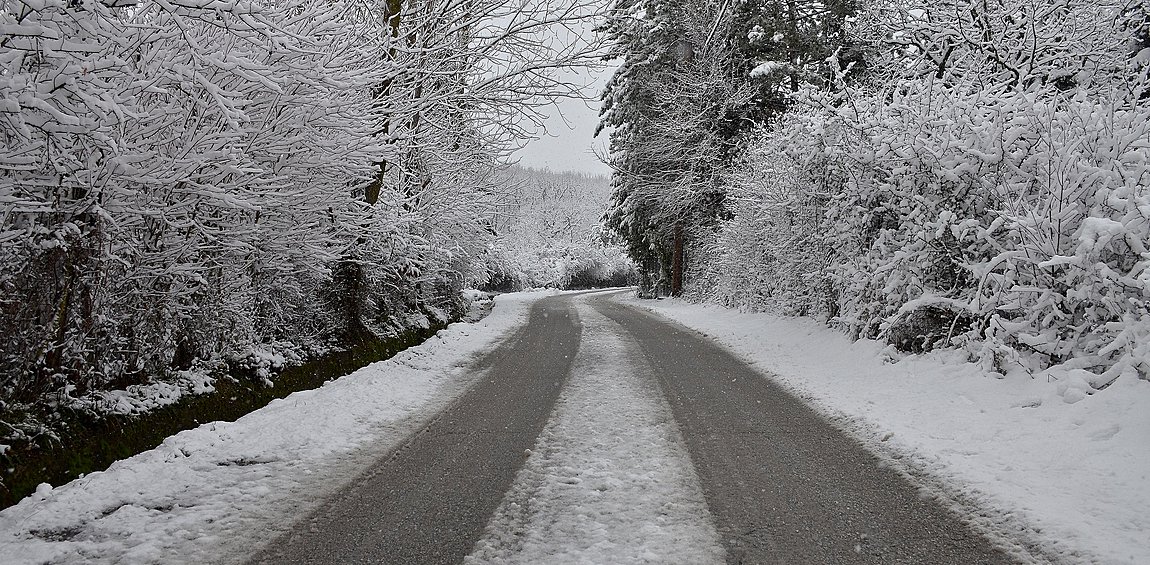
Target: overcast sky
(569,148)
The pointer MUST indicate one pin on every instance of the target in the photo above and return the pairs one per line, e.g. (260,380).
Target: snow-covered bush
(1013,193)
(1070,275)
(164,200)
(184,181)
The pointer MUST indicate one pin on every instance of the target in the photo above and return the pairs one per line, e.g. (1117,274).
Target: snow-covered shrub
(1013,193)
(771,254)
(598,266)
(1070,276)
(1029,207)
(162,200)
(929,322)
(499,272)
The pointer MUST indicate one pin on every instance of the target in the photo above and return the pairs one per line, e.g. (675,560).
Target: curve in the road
(429,501)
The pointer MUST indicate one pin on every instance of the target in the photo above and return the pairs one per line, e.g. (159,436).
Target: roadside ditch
(85,443)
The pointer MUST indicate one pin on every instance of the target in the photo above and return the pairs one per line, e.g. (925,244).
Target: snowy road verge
(609,479)
(1068,471)
(215,493)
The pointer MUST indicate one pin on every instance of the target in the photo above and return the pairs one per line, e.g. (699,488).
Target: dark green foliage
(801,34)
(52,300)
(502,281)
(667,103)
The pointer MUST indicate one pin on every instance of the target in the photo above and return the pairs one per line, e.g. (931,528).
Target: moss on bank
(88,443)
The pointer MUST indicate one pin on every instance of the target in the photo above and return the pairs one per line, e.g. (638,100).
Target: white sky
(567,145)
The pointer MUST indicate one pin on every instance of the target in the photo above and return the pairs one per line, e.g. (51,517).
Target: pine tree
(694,77)
(666,103)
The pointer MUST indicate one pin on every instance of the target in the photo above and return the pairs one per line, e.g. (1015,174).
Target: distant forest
(549,234)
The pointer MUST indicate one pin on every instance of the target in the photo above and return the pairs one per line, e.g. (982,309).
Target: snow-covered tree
(182,181)
(548,233)
(694,76)
(666,104)
(986,188)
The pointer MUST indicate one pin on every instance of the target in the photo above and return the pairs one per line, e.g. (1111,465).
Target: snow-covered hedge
(1019,201)
(174,180)
(183,181)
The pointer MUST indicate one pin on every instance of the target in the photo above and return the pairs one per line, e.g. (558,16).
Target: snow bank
(1036,458)
(215,493)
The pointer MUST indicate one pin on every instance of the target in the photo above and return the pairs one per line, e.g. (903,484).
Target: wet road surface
(782,485)
(428,501)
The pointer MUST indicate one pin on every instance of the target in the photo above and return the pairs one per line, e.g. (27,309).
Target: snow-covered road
(609,479)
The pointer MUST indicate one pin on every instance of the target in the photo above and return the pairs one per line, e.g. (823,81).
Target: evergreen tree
(694,76)
(667,103)
(783,44)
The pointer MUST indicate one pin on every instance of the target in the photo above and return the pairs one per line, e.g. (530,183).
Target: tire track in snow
(609,480)
(783,484)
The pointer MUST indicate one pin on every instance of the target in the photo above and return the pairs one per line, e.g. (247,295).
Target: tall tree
(783,45)
(182,182)
(693,77)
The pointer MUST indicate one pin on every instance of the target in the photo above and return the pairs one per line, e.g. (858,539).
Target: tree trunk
(677,262)
(393,14)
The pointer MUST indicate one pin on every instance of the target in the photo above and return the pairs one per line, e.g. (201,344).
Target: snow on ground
(212,493)
(609,479)
(1069,472)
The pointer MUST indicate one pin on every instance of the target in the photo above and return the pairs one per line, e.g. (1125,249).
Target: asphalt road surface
(428,501)
(782,485)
